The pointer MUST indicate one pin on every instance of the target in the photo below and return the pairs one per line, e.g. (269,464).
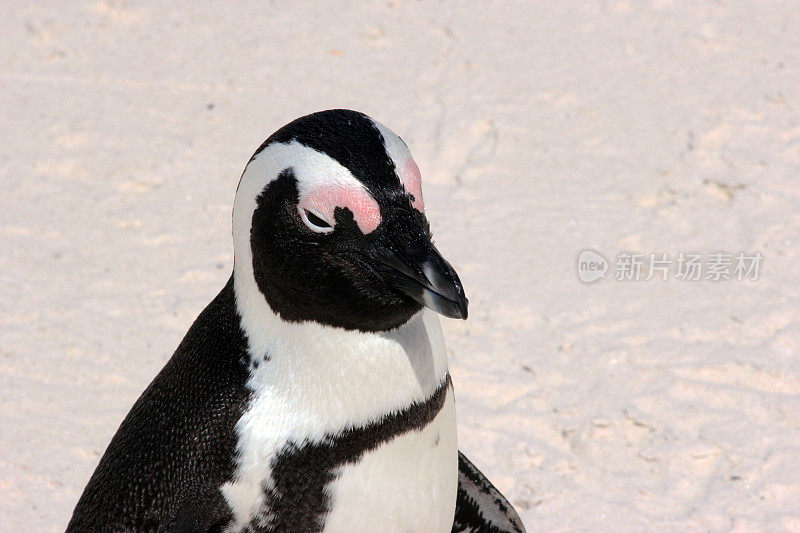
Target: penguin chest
(347,432)
(406,484)
(399,474)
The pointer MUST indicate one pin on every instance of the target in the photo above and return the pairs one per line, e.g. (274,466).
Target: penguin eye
(315,222)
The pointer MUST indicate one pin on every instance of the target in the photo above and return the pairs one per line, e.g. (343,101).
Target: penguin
(312,393)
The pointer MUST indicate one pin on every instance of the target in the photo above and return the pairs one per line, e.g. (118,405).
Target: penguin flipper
(480,508)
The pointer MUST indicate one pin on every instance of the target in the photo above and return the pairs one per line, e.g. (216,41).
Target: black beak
(420,272)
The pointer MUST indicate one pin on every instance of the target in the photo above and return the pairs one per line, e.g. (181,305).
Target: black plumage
(163,468)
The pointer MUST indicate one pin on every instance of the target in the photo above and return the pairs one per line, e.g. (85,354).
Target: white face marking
(323,185)
(318,379)
(407,170)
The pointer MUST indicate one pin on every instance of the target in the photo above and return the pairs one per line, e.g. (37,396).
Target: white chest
(318,382)
(407,484)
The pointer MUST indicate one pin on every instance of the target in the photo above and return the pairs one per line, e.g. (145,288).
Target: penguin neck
(363,372)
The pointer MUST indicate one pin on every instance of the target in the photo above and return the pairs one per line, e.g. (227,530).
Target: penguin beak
(421,273)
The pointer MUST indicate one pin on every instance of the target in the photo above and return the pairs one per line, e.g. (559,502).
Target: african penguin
(313,392)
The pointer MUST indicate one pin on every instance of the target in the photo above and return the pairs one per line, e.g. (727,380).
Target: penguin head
(330,227)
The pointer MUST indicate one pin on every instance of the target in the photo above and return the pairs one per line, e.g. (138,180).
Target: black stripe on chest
(297,500)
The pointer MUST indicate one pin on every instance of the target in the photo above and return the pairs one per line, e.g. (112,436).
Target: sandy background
(541,128)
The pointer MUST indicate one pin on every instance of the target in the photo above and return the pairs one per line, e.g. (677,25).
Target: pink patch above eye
(412,183)
(324,199)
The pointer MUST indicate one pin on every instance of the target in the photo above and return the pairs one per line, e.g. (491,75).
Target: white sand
(541,129)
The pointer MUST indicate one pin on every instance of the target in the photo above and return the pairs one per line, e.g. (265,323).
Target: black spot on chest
(297,500)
